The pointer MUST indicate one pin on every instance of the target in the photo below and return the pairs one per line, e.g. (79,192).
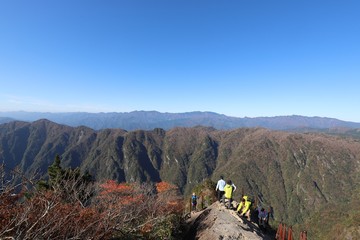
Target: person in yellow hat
(244,207)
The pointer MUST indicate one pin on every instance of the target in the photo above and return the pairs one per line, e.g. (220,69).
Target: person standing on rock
(220,188)
(234,187)
(228,189)
(193,201)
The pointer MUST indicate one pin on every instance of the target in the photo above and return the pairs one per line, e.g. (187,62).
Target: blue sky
(240,58)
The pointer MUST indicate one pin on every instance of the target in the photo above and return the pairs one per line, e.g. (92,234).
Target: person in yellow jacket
(228,189)
(244,207)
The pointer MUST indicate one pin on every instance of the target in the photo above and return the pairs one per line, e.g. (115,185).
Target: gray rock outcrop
(218,223)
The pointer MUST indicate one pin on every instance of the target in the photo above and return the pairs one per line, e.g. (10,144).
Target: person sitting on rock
(228,189)
(244,207)
(262,216)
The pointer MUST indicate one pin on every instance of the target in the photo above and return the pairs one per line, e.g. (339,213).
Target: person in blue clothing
(193,201)
(263,217)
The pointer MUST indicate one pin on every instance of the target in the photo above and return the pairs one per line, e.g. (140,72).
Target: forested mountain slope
(294,173)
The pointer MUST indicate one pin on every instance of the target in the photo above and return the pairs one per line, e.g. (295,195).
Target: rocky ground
(218,223)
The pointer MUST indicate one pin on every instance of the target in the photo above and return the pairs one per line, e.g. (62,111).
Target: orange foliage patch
(111,186)
(123,193)
(164,187)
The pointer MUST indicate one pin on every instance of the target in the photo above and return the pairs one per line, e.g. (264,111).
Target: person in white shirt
(220,188)
(234,187)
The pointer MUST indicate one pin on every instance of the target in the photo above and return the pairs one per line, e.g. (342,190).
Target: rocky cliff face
(294,173)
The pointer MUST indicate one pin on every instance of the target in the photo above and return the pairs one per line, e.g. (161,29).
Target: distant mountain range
(148,120)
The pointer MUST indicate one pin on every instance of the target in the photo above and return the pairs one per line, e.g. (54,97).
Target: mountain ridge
(147,120)
(294,173)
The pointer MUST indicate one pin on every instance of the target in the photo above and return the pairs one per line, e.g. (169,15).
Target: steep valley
(297,174)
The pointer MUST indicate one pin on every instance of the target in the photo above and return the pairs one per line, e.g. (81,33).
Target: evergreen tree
(55,173)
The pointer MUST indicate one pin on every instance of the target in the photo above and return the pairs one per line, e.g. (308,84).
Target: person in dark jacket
(193,201)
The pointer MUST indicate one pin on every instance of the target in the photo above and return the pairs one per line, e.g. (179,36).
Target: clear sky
(235,57)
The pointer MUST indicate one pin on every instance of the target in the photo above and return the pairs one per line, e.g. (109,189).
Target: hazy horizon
(291,115)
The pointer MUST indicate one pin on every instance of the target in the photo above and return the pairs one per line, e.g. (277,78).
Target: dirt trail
(216,222)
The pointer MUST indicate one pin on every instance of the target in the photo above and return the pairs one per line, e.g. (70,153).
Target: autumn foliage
(139,208)
(114,211)
(162,187)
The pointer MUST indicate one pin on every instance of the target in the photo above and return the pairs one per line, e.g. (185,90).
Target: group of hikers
(225,192)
